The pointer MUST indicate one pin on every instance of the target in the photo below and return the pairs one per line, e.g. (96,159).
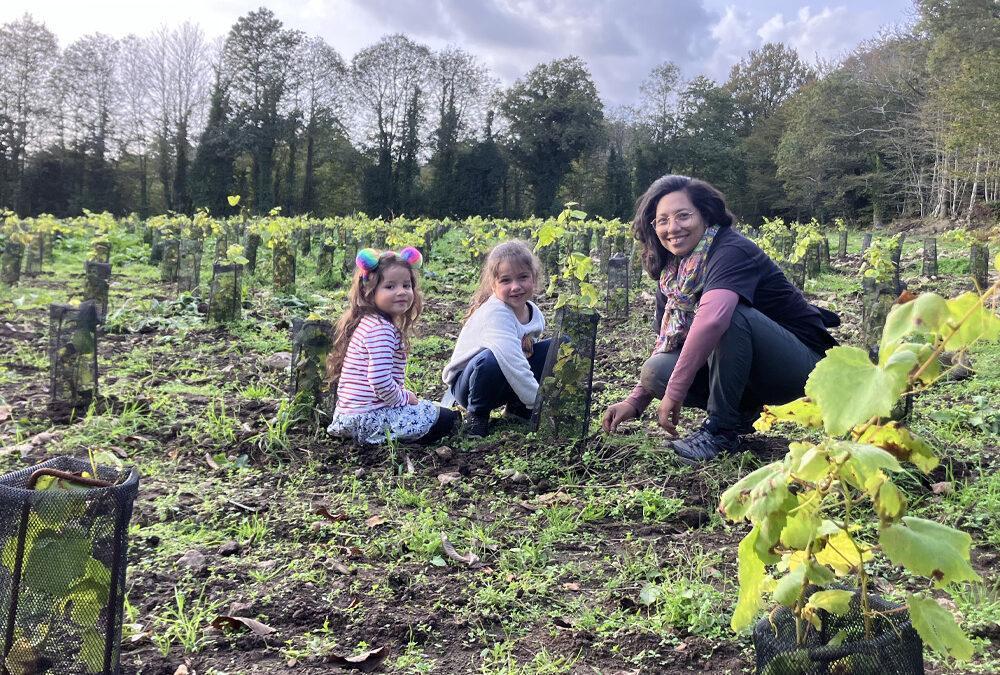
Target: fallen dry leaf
(449,550)
(182,670)
(5,413)
(375,521)
(571,586)
(323,510)
(366,662)
(237,622)
(212,464)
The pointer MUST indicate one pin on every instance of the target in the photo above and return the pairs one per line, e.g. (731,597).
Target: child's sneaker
(477,426)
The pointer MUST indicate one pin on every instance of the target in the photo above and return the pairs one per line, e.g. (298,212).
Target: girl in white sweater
(498,359)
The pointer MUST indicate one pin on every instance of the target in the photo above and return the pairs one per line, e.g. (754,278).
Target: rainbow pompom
(411,256)
(367,260)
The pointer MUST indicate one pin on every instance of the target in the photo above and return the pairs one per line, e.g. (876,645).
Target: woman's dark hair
(709,201)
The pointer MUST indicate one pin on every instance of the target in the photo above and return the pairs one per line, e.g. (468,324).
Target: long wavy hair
(515,252)
(709,201)
(361,303)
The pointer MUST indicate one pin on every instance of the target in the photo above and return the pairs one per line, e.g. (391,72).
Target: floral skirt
(405,423)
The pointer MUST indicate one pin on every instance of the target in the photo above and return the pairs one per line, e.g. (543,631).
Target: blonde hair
(361,303)
(513,252)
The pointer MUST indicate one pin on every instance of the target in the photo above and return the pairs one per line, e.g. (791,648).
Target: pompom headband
(368,259)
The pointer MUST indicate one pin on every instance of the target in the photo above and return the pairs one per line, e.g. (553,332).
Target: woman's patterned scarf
(681,283)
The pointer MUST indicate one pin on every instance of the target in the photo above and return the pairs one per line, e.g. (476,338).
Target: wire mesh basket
(63,556)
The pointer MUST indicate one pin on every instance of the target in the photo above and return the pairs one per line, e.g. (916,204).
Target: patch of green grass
(183,623)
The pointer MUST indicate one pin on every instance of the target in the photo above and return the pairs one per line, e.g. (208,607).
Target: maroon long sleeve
(715,311)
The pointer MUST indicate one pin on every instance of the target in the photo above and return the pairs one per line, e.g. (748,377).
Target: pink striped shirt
(372,376)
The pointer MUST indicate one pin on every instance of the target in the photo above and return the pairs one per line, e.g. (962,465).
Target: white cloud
(734,36)
(621,40)
(827,34)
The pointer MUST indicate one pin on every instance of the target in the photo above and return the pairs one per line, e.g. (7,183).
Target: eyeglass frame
(688,215)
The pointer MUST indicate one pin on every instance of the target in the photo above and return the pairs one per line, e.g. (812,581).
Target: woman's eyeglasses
(681,218)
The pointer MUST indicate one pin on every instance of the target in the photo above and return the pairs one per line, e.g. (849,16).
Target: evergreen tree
(214,163)
(617,187)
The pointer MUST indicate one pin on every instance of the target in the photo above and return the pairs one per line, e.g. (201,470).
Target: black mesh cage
(892,647)
(562,408)
(929,261)
(877,299)
(325,266)
(225,302)
(62,566)
(10,262)
(635,260)
(252,244)
(97,281)
(155,246)
(311,342)
(72,355)
(618,287)
(283,268)
(34,256)
(979,265)
(350,246)
(189,265)
(170,260)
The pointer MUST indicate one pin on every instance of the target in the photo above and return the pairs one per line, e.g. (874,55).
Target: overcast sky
(621,40)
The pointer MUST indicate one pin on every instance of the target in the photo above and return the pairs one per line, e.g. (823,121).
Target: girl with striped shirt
(368,359)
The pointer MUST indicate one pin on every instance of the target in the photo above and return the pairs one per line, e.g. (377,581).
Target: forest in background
(907,125)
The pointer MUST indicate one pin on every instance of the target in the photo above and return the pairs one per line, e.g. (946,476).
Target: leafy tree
(323,79)
(762,81)
(384,78)
(964,62)
(555,116)
(258,62)
(706,143)
(29,53)
(480,176)
(407,169)
(460,88)
(821,162)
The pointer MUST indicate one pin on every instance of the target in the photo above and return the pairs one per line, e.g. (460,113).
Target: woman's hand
(669,414)
(616,414)
(411,398)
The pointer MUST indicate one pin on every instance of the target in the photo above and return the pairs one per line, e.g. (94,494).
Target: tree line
(906,125)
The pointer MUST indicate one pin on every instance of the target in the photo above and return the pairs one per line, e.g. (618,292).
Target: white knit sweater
(494,326)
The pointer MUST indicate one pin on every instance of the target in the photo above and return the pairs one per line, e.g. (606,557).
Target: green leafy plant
(813,511)
(878,263)
(234,255)
(573,279)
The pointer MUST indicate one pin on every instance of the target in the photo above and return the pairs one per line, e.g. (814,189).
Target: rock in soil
(194,560)
(278,361)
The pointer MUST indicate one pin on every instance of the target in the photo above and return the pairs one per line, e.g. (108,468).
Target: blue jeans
(482,387)
(756,362)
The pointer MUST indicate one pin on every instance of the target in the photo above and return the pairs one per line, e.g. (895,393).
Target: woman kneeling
(734,334)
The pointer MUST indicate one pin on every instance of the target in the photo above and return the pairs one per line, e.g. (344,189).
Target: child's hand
(411,398)
(527,346)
